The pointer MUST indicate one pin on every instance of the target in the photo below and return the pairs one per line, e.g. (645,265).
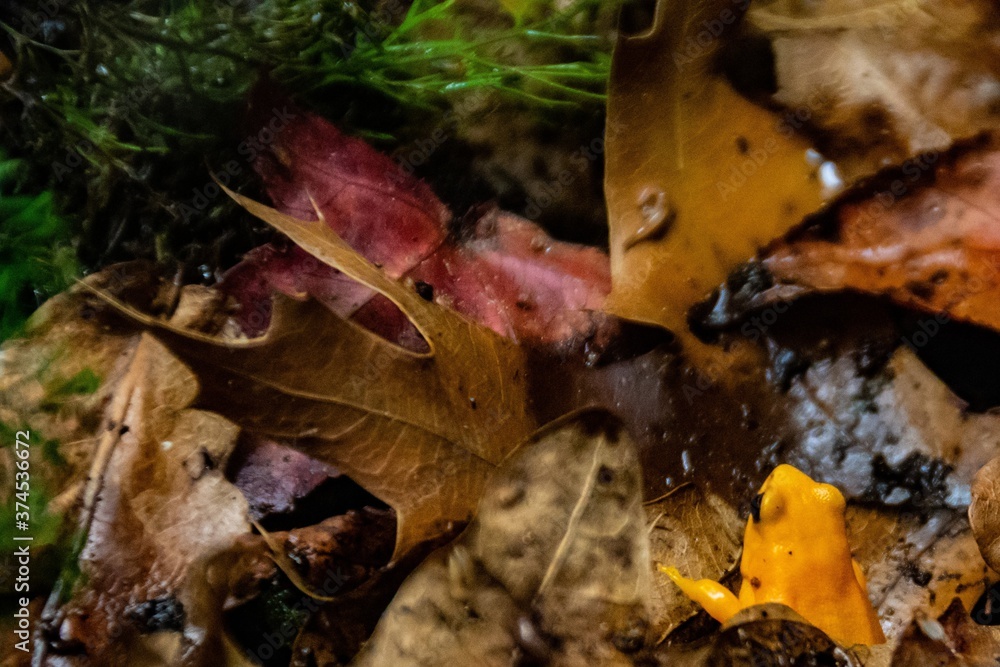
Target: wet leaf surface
(925,238)
(408,353)
(898,437)
(698,178)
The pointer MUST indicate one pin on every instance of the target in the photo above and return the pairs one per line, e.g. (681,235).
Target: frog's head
(792,507)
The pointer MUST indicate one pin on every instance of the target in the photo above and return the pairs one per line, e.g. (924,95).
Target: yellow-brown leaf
(698,177)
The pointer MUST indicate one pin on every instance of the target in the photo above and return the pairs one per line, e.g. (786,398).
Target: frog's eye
(755,504)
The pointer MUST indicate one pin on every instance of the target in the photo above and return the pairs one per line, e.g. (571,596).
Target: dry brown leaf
(155,509)
(770,634)
(952,640)
(984,512)
(698,178)
(700,534)
(60,343)
(421,431)
(555,567)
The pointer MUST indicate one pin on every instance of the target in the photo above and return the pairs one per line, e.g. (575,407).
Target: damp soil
(726,429)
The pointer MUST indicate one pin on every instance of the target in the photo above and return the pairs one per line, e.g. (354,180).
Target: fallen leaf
(54,384)
(899,437)
(952,640)
(421,431)
(984,512)
(155,485)
(927,242)
(698,178)
(886,81)
(555,567)
(339,629)
(312,166)
(334,565)
(760,635)
(916,564)
(356,537)
(499,270)
(274,477)
(700,534)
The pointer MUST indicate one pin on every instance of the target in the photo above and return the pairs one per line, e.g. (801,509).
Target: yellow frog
(795,552)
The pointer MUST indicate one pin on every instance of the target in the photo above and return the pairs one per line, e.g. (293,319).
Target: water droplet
(814,157)
(829,176)
(657,216)
(102,70)
(686,461)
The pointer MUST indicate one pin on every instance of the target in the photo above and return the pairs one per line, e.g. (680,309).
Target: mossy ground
(113,113)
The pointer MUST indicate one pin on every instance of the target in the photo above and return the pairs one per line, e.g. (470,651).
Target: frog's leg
(860,576)
(716,599)
(875,634)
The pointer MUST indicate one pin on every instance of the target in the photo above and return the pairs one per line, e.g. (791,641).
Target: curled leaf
(421,431)
(496,268)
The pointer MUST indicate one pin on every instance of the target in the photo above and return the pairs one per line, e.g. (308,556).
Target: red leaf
(506,273)
(929,244)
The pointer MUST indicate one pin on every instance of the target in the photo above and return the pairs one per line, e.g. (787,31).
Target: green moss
(36,257)
(82,384)
(55,546)
(60,389)
(124,108)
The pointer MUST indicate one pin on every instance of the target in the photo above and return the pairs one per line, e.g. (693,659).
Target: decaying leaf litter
(751,379)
